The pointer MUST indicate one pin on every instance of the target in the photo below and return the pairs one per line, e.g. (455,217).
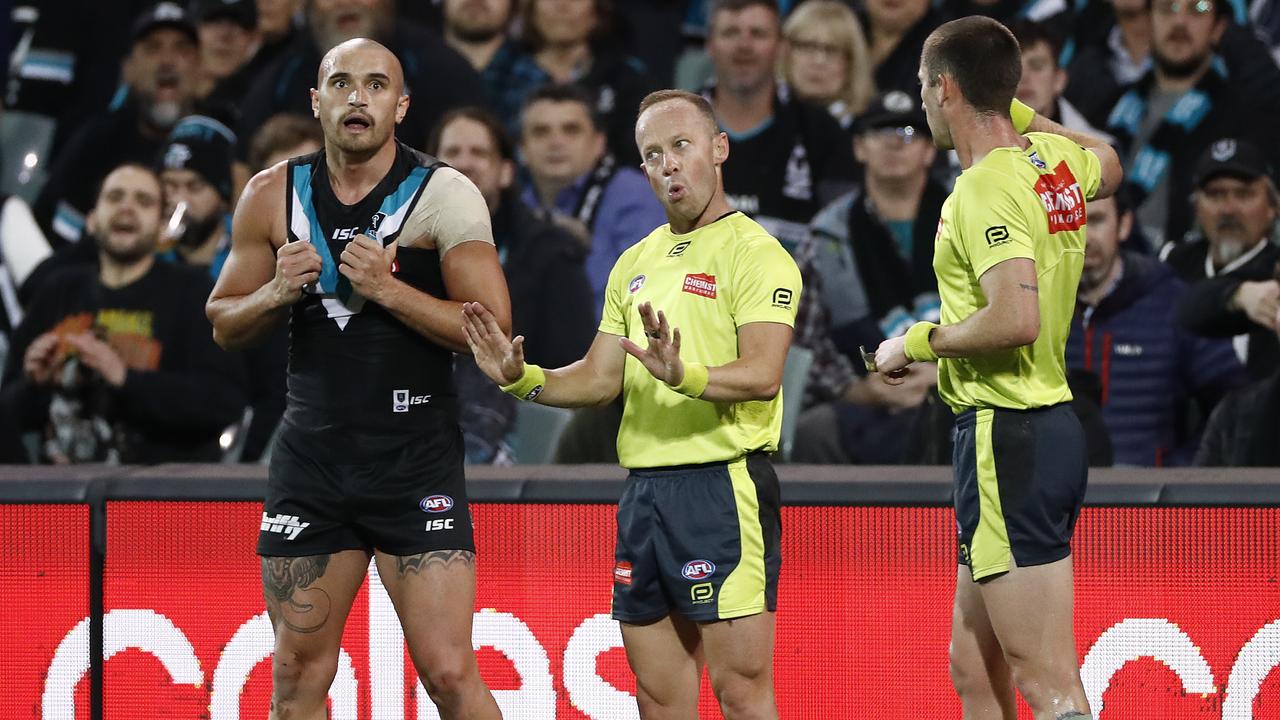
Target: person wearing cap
(195,168)
(868,263)
(229,37)
(161,73)
(1125,330)
(1230,263)
(195,171)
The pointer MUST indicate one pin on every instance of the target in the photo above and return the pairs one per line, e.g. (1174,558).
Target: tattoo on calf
(286,584)
(1029,288)
(406,564)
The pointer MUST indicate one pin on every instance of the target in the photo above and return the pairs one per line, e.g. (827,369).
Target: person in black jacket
(1233,293)
(441,77)
(117,363)
(551,297)
(1244,430)
(161,71)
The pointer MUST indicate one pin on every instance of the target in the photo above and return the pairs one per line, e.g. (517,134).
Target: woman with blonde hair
(825,58)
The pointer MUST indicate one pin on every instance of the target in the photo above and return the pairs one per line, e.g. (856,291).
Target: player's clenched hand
(662,355)
(892,361)
(496,356)
(368,266)
(297,264)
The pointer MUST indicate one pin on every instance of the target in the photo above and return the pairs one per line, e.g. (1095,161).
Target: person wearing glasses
(825,59)
(1170,116)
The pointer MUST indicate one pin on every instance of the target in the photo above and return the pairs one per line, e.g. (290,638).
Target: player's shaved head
(701,104)
(370,56)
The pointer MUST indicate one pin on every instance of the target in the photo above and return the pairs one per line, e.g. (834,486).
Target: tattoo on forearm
(406,564)
(286,584)
(1029,288)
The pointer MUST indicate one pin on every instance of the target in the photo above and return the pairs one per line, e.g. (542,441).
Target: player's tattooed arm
(1029,287)
(286,584)
(406,564)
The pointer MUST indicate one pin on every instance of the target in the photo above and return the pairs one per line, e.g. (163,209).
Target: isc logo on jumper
(439,524)
(345,233)
(700,284)
(401,400)
(436,504)
(287,525)
(698,569)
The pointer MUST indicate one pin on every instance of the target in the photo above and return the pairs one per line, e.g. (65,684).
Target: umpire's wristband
(1021,114)
(695,380)
(530,384)
(917,346)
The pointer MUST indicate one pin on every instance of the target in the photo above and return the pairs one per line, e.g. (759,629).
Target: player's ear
(720,148)
(315,103)
(402,107)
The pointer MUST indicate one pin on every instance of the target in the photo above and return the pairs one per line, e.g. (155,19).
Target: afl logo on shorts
(637,282)
(436,504)
(698,569)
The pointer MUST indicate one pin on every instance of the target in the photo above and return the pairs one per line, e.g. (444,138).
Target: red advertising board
(1178,615)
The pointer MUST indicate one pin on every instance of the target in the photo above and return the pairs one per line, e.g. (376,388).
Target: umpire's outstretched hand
(661,357)
(496,356)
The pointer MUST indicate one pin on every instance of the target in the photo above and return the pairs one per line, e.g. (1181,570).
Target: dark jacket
(551,298)
(1244,430)
(440,77)
(900,70)
(551,306)
(181,390)
(104,142)
(1206,309)
(1154,374)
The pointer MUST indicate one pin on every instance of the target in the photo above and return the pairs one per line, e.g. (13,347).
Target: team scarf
(1152,160)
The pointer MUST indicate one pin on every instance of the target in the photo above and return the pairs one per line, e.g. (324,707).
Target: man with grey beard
(443,77)
(161,73)
(1234,293)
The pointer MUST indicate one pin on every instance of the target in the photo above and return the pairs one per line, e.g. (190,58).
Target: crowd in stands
(129,129)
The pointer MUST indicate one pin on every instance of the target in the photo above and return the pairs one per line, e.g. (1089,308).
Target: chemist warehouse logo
(700,284)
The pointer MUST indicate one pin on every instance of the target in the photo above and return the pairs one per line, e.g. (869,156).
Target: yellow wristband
(695,380)
(530,384)
(917,343)
(1021,114)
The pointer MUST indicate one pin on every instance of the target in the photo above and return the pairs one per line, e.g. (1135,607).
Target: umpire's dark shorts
(701,540)
(1019,482)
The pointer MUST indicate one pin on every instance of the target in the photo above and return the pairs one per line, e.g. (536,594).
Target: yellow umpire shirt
(1015,203)
(708,282)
